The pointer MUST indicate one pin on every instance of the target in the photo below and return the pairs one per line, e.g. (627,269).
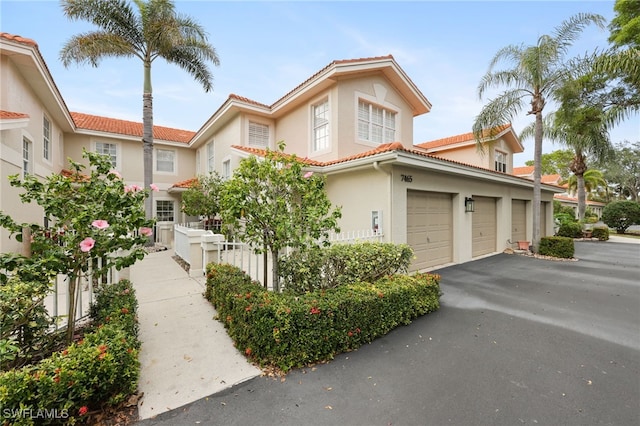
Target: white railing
(57,302)
(363,235)
(214,248)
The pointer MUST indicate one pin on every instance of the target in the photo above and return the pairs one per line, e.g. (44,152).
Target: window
(46,138)
(226,169)
(375,124)
(165,160)
(500,162)
(211,167)
(26,157)
(321,126)
(258,134)
(164,210)
(109,149)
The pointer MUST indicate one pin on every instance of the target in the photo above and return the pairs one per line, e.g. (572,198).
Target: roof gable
(468,139)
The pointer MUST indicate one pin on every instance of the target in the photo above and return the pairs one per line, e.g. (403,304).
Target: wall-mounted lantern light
(469,206)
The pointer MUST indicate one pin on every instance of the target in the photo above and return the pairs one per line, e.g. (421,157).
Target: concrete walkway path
(186,354)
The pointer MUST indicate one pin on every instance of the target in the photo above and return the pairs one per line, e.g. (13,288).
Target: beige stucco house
(352,121)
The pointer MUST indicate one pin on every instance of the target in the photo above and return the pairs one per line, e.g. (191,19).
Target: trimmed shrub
(102,369)
(323,268)
(620,215)
(562,247)
(570,229)
(288,330)
(601,233)
(24,322)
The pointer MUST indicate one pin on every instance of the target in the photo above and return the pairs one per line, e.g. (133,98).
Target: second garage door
(518,220)
(429,228)
(484,226)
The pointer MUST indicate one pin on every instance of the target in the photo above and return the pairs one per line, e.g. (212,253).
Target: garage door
(484,226)
(429,228)
(518,220)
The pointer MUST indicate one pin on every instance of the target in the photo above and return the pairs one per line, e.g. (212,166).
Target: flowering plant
(87,218)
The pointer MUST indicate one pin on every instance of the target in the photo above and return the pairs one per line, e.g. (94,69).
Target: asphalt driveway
(517,340)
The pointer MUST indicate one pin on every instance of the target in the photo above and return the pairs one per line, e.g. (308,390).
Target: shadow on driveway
(517,340)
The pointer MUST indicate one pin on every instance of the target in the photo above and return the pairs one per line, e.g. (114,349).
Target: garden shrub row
(562,247)
(570,230)
(339,264)
(101,369)
(288,330)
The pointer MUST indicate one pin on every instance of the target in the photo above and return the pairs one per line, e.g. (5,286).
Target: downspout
(376,167)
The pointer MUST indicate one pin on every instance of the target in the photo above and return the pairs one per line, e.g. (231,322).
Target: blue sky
(267,48)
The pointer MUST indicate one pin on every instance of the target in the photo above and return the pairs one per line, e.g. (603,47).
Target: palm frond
(569,30)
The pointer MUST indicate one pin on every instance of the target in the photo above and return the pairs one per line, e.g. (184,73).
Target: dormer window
(375,124)
(500,162)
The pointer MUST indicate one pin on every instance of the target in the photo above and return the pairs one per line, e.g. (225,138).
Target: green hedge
(570,229)
(601,233)
(339,264)
(101,369)
(562,247)
(286,330)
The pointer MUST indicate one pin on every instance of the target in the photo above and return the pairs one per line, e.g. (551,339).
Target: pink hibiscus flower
(87,244)
(146,231)
(100,224)
(154,187)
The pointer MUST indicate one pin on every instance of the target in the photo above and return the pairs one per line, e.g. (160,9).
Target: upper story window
(320,113)
(226,169)
(165,160)
(375,124)
(500,162)
(258,134)
(46,138)
(211,166)
(26,157)
(109,149)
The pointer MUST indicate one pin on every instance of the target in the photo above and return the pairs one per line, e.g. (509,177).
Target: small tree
(621,215)
(203,197)
(273,204)
(88,218)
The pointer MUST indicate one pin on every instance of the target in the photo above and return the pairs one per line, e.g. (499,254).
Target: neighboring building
(565,198)
(352,121)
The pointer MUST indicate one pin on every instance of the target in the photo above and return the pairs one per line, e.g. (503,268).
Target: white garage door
(484,226)
(429,228)
(518,220)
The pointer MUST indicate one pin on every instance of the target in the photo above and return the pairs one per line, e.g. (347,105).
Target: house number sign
(406,178)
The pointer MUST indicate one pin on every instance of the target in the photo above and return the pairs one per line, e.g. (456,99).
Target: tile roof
(465,137)
(19,39)
(550,178)
(129,128)
(186,184)
(524,170)
(10,115)
(562,197)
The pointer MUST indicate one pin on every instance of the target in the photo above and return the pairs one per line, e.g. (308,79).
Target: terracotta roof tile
(185,183)
(522,171)
(79,177)
(465,137)
(247,100)
(129,128)
(563,197)
(262,152)
(10,115)
(19,39)
(551,179)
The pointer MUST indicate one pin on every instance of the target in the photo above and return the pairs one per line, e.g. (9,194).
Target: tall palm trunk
(147,142)
(579,166)
(537,105)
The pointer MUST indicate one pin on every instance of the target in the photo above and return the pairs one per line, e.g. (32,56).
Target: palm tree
(593,180)
(156,31)
(535,73)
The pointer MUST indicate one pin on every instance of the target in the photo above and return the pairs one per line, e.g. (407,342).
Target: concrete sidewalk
(186,354)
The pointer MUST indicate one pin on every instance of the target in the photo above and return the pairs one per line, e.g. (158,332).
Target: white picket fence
(197,247)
